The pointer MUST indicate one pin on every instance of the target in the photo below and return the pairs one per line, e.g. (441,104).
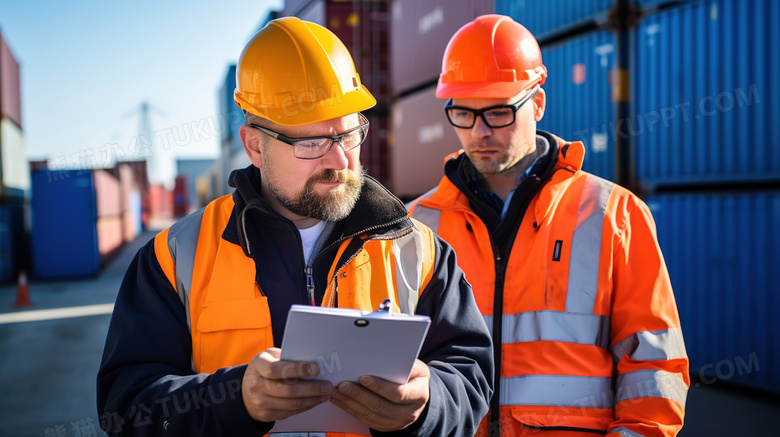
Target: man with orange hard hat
(193,345)
(565,266)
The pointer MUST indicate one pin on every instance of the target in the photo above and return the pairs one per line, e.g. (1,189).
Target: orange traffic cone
(22,293)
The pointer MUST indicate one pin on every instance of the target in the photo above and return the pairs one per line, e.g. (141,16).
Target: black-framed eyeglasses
(493,116)
(317,147)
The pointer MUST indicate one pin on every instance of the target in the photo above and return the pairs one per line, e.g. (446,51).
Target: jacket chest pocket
(231,332)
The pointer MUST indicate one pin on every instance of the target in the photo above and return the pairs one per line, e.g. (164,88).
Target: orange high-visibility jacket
(190,314)
(590,335)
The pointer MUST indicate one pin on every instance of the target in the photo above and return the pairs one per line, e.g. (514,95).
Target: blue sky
(86,65)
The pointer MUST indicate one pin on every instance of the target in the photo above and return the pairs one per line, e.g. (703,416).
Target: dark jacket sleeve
(459,352)
(146,385)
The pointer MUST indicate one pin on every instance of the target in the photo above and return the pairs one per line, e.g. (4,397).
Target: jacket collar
(448,195)
(376,212)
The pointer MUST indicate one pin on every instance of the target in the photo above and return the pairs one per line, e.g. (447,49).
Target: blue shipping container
(721,251)
(64,217)
(231,117)
(578,90)
(11,235)
(546,18)
(706,95)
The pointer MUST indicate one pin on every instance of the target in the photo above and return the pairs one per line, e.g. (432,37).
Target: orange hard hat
(492,57)
(295,72)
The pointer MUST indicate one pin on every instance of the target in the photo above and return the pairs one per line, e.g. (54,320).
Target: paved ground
(48,367)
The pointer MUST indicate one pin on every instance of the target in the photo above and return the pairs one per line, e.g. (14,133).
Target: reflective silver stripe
(625,432)
(408,251)
(182,242)
(651,384)
(586,245)
(558,390)
(666,344)
(428,216)
(297,434)
(554,326)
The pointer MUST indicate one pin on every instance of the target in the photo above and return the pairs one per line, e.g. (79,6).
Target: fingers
(273,389)
(383,405)
(368,407)
(416,388)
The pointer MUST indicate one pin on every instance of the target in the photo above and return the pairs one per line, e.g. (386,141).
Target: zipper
(309,269)
(310,283)
(502,261)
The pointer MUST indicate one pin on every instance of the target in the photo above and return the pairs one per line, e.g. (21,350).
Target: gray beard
(332,206)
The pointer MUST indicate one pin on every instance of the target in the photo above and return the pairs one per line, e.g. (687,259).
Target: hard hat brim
(482,90)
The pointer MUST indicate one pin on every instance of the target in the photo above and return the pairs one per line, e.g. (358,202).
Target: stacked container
(703,101)
(14,171)
(131,196)
(706,94)
(76,221)
(363,27)
(578,87)
(422,137)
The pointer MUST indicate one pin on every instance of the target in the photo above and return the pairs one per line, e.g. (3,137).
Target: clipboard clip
(386,306)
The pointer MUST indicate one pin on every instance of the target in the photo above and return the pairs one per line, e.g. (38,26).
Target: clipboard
(347,344)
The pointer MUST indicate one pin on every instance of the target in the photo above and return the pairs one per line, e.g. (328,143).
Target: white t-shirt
(309,238)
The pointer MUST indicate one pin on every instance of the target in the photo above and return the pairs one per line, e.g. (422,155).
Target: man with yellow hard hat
(193,345)
(565,266)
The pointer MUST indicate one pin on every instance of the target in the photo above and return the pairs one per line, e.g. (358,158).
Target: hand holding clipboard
(347,344)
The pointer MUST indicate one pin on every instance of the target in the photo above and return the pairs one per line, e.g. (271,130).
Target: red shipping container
(422,138)
(10,89)
(374,151)
(109,236)
(420,32)
(181,203)
(108,195)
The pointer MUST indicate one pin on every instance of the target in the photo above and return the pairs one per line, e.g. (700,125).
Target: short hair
(250,118)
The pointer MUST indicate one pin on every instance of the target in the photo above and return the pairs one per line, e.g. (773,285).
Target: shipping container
(706,98)
(110,236)
(131,202)
(549,18)
(10,89)
(374,155)
(108,193)
(13,243)
(160,203)
(579,107)
(230,115)
(422,138)
(294,7)
(181,201)
(721,251)
(420,32)
(14,170)
(64,218)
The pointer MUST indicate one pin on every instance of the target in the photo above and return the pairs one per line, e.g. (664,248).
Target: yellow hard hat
(294,72)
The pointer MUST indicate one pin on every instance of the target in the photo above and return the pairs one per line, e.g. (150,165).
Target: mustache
(330,175)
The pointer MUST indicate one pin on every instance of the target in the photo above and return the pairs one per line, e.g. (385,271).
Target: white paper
(347,344)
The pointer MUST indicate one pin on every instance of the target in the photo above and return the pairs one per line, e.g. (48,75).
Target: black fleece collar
(456,172)
(377,211)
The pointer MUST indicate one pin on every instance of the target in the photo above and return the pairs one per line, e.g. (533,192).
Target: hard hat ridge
(294,72)
(491,57)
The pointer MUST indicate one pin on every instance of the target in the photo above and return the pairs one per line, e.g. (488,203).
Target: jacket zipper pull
(310,284)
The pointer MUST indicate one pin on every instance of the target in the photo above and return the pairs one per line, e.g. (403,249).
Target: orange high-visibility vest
(591,337)
(228,316)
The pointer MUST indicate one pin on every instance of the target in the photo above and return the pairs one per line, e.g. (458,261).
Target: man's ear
(540,103)
(252,145)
